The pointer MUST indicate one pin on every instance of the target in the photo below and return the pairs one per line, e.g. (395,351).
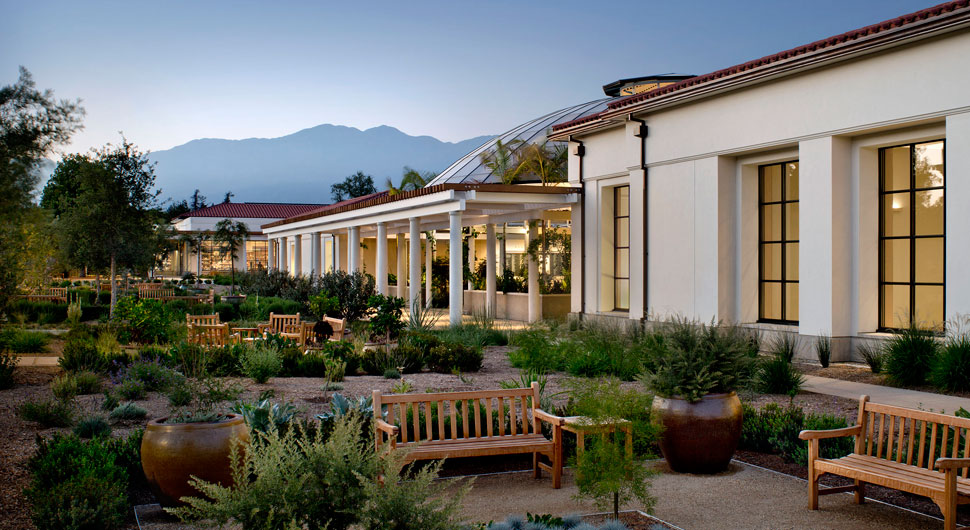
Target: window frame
(911,192)
(783,242)
(617,248)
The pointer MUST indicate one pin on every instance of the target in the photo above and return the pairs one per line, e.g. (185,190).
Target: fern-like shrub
(260,363)
(873,355)
(303,479)
(910,355)
(689,359)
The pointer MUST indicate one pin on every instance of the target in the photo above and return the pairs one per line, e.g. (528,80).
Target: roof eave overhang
(876,43)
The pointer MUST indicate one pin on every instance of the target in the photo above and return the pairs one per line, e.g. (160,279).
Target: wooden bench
(903,449)
(211,335)
(469,424)
(338,325)
(278,323)
(53,294)
(195,320)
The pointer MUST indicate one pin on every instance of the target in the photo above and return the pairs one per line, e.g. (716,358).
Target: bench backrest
(454,415)
(338,325)
(910,436)
(278,323)
(209,334)
(195,320)
(59,292)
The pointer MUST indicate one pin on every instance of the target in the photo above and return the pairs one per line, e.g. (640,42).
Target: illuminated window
(778,243)
(213,259)
(256,255)
(621,248)
(911,235)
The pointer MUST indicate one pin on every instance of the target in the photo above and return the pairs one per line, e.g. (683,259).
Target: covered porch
(397,237)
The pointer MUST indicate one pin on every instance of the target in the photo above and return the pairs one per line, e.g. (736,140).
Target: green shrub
(64,387)
(180,394)
(50,413)
(392,373)
(303,478)
(144,320)
(774,429)
(110,401)
(777,375)
(87,383)
(386,322)
(910,355)
(951,370)
(535,350)
(689,360)
(449,357)
(873,355)
(107,343)
(352,290)
(260,363)
(92,426)
(81,355)
(823,350)
(153,352)
(128,411)
(192,359)
(79,484)
(473,335)
(8,365)
(131,389)
(152,374)
(22,341)
(224,361)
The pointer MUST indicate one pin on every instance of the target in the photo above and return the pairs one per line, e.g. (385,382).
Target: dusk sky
(169,72)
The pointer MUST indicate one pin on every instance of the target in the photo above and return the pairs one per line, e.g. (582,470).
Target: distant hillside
(299,167)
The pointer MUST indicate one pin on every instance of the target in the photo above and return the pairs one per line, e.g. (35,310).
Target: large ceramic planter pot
(699,437)
(173,452)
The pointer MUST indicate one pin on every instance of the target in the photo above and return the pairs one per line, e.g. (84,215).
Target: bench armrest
(548,418)
(855,430)
(382,425)
(952,463)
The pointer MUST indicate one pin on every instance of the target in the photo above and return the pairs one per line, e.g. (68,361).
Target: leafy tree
(503,161)
(112,222)
(356,185)
(549,163)
(62,190)
(231,235)
(32,123)
(411,180)
(176,209)
(198,201)
(229,195)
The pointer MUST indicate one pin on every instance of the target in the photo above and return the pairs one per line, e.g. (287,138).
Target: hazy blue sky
(166,72)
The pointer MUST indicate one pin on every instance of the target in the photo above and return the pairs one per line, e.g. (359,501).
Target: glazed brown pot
(699,437)
(172,452)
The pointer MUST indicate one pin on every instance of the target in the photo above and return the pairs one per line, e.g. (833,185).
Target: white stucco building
(803,192)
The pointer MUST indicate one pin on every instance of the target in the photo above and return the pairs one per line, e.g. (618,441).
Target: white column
(824,253)
(414,300)
(271,254)
(353,244)
(490,266)
(402,281)
(315,268)
(241,265)
(428,259)
(455,267)
(575,275)
(297,255)
(636,242)
(471,258)
(957,194)
(381,271)
(535,311)
(284,250)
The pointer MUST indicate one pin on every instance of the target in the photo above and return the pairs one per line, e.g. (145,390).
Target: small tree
(386,321)
(605,472)
(411,180)
(231,235)
(356,185)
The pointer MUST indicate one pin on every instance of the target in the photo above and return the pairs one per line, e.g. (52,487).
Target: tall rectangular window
(621,248)
(911,235)
(778,243)
(256,255)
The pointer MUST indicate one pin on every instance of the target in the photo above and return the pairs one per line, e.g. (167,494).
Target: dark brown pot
(172,452)
(699,437)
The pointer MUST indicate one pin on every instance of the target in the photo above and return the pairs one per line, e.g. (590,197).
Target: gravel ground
(18,442)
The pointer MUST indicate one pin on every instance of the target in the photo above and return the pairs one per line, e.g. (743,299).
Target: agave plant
(264,413)
(341,406)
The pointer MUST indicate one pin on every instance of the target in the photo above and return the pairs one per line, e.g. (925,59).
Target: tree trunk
(114,289)
(232,271)
(616,505)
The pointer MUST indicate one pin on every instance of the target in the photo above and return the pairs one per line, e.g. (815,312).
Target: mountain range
(299,167)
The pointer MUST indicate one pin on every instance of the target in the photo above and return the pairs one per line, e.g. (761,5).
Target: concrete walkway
(37,360)
(887,395)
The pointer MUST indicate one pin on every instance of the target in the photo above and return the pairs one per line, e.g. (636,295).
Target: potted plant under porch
(694,373)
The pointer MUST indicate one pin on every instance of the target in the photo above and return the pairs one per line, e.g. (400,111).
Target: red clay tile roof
(267,210)
(848,36)
(383,197)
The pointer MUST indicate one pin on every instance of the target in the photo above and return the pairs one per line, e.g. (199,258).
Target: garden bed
(861,374)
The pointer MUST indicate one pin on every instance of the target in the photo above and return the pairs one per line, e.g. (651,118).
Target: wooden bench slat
(488,410)
(441,420)
(478,419)
(427,419)
(464,417)
(449,396)
(416,420)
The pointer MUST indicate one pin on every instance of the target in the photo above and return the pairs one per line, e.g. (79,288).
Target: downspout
(642,135)
(580,152)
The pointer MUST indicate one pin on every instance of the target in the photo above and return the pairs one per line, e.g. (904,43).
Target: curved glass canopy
(469,168)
